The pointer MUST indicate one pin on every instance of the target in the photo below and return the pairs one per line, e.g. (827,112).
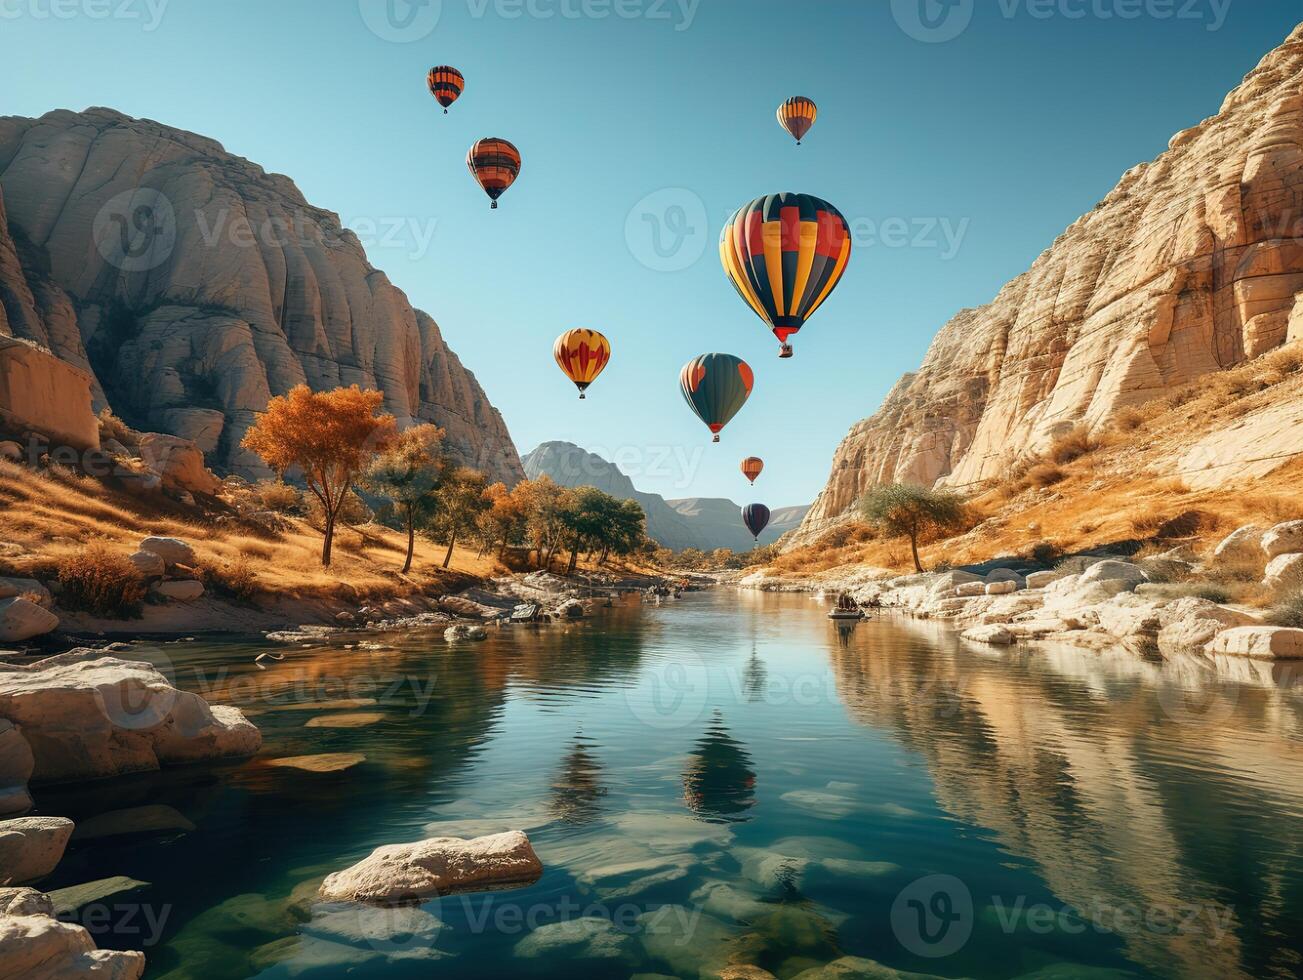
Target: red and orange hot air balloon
(785,254)
(751,468)
(495,164)
(582,355)
(446,84)
(797,115)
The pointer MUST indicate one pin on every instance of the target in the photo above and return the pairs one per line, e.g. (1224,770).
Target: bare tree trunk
(452,540)
(328,540)
(913,547)
(411,539)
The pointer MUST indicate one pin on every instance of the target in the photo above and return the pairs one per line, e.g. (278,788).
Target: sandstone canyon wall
(1192,264)
(194,286)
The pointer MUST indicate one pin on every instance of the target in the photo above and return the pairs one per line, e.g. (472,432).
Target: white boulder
(1283,539)
(404,872)
(179,462)
(174,551)
(183,590)
(1001,588)
(149,564)
(1038,580)
(31,847)
(37,946)
(29,587)
(1259,643)
(15,769)
(87,715)
(1285,571)
(1189,624)
(1242,543)
(970,589)
(21,619)
(991,633)
(1115,571)
(1005,575)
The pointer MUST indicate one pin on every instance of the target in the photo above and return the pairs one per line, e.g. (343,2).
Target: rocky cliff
(1192,264)
(194,286)
(704,523)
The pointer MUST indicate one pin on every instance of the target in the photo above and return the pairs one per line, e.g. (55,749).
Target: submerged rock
(587,938)
(404,872)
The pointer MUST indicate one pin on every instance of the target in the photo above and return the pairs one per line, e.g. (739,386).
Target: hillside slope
(1191,265)
(195,286)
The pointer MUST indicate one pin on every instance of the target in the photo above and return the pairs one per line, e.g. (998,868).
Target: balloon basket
(785,352)
(582,396)
(716,439)
(493,206)
(445,112)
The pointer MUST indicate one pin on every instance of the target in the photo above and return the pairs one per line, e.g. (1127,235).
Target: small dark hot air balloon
(583,355)
(785,254)
(797,115)
(446,84)
(495,164)
(751,468)
(716,386)
(756,518)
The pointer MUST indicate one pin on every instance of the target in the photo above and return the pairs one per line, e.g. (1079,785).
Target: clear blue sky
(1005,133)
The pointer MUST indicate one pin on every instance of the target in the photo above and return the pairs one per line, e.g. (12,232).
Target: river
(725,776)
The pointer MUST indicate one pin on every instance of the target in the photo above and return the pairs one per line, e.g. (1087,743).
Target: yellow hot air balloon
(582,355)
(797,115)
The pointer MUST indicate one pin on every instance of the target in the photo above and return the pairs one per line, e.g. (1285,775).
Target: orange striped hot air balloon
(495,164)
(751,467)
(446,84)
(582,355)
(797,115)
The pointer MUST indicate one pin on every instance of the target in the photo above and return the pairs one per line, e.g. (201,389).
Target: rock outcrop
(37,946)
(1190,265)
(43,395)
(194,286)
(31,847)
(85,715)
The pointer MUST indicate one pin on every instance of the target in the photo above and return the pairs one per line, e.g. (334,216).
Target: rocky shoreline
(1096,601)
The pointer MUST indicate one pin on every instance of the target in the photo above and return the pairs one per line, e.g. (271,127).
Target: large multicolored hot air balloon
(716,386)
(785,254)
(446,84)
(797,115)
(751,468)
(495,163)
(756,518)
(582,354)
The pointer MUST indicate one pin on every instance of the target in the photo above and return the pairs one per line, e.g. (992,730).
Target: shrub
(1288,612)
(232,580)
(112,427)
(101,582)
(1045,552)
(1072,445)
(1045,475)
(280,498)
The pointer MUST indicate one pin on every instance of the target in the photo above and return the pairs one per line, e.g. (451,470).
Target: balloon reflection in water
(577,790)
(719,784)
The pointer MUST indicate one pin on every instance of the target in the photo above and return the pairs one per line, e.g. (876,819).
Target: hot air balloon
(446,84)
(751,467)
(495,163)
(716,386)
(756,518)
(582,354)
(797,115)
(785,254)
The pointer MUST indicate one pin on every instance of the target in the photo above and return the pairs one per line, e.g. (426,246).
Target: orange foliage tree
(329,437)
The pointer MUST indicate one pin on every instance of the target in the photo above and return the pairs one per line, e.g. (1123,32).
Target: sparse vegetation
(235,579)
(1288,611)
(101,582)
(903,510)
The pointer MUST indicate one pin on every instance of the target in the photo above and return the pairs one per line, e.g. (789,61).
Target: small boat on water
(846,608)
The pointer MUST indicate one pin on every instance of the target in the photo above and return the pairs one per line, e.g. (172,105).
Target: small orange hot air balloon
(445,83)
(751,467)
(582,355)
(495,165)
(797,115)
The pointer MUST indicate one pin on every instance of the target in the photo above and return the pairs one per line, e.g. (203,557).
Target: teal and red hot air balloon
(785,254)
(716,386)
(756,518)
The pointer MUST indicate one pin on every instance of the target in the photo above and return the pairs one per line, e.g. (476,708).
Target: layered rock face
(194,286)
(1192,264)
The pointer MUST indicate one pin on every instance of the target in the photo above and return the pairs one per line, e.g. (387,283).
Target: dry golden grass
(54,516)
(1090,491)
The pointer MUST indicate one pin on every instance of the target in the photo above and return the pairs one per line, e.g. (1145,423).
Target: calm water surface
(728,778)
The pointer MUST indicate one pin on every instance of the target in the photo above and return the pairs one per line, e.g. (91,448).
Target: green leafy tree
(457,505)
(408,473)
(905,510)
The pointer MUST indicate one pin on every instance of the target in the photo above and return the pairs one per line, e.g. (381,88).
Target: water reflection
(719,784)
(577,790)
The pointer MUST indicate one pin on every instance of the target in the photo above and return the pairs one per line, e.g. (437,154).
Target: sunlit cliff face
(1068,757)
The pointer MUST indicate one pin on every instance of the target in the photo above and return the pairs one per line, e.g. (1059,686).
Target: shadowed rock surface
(194,286)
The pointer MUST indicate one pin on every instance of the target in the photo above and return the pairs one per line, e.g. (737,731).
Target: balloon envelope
(797,115)
(495,164)
(785,254)
(582,355)
(756,518)
(446,84)
(752,467)
(716,386)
